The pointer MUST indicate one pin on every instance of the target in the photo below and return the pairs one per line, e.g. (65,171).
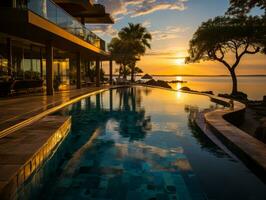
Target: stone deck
(14,110)
(248,147)
(16,113)
(23,151)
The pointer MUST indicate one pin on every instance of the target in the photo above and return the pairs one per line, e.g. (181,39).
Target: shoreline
(191,75)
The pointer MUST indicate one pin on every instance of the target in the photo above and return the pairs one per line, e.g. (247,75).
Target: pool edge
(23,171)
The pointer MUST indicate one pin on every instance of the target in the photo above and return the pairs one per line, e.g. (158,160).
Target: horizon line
(195,75)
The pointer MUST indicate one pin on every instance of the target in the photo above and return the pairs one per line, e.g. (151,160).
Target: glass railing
(52,12)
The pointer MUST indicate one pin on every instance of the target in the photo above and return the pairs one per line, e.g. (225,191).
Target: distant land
(221,75)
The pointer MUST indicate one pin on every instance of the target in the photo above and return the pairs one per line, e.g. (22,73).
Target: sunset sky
(172,24)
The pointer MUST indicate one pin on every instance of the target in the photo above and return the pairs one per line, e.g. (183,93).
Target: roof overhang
(89,18)
(28,25)
(85,11)
(72,6)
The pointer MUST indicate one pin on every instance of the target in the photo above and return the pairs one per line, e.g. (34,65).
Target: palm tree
(123,53)
(139,36)
(131,43)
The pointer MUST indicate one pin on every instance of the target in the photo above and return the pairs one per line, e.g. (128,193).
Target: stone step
(23,151)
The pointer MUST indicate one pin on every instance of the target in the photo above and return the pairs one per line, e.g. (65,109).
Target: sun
(180,61)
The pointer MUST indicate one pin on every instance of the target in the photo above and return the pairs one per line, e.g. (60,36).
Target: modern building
(47,41)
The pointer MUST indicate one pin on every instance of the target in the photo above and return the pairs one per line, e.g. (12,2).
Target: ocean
(253,86)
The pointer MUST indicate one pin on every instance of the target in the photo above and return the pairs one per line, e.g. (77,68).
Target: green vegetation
(243,7)
(231,36)
(128,47)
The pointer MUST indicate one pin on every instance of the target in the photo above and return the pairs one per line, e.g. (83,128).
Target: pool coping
(236,140)
(41,115)
(241,141)
(247,147)
(24,157)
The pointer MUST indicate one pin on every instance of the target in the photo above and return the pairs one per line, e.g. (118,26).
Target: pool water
(139,143)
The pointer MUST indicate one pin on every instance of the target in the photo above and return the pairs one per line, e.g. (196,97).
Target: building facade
(47,42)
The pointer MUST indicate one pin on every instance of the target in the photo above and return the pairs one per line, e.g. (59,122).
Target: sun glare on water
(180,61)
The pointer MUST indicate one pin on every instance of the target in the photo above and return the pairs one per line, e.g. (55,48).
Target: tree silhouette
(221,37)
(242,7)
(137,34)
(131,43)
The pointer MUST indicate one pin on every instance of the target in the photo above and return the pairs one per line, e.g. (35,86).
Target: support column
(49,69)
(78,70)
(97,73)
(41,63)
(111,72)
(31,61)
(9,56)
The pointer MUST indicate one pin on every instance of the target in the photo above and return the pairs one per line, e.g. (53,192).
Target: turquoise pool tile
(126,161)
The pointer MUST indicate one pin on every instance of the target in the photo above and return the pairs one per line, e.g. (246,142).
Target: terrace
(55,14)
(41,38)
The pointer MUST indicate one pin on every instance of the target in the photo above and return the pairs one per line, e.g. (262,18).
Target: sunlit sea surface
(254,86)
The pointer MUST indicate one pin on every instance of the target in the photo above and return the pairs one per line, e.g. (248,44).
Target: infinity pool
(139,143)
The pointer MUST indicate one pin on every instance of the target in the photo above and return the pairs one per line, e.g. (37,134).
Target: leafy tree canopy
(136,32)
(242,7)
(221,37)
(129,46)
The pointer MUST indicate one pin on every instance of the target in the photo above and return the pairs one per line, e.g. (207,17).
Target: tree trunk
(132,74)
(119,72)
(234,80)
(124,72)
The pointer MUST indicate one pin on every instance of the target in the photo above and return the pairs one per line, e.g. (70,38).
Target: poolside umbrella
(146,76)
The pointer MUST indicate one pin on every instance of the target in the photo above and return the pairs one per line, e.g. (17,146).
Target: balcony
(55,14)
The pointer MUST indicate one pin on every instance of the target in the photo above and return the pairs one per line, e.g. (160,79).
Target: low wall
(223,124)
(248,148)
(24,151)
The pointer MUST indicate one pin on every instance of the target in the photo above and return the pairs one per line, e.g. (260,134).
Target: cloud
(173,52)
(146,24)
(134,8)
(103,30)
(170,32)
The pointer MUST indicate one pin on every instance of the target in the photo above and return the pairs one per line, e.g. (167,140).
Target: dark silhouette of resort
(69,129)
(45,45)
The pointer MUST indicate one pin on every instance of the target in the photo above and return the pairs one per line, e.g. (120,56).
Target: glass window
(3,58)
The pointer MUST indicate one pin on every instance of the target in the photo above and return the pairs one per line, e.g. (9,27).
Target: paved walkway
(17,109)
(247,146)
(23,151)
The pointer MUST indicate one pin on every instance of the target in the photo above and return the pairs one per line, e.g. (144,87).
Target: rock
(240,96)
(207,92)
(151,82)
(224,96)
(185,88)
(163,84)
(159,83)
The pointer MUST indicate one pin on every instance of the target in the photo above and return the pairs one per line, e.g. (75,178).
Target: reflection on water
(201,138)
(138,143)
(253,86)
